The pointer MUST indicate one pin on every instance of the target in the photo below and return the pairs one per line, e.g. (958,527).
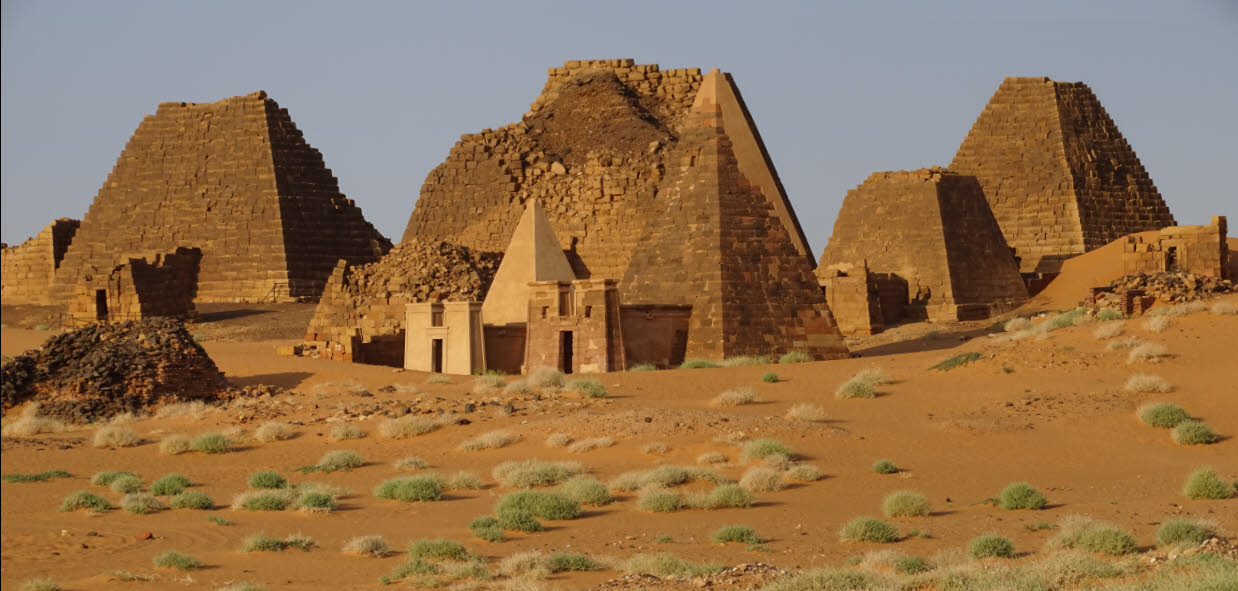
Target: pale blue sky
(383,89)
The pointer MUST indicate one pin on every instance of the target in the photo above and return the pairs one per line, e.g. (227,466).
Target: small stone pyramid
(1056,171)
(724,242)
(533,254)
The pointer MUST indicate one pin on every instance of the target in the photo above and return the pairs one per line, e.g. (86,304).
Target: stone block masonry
(30,267)
(1201,250)
(236,179)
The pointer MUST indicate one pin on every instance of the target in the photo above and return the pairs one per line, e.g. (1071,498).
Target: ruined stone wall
(29,268)
(592,149)
(1201,250)
(236,179)
(855,301)
(1056,172)
(589,311)
(161,285)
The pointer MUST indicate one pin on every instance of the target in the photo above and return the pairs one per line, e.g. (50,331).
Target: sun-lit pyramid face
(1055,169)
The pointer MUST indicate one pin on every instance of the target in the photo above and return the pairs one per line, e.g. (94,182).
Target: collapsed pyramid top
(236,179)
(532,255)
(1057,173)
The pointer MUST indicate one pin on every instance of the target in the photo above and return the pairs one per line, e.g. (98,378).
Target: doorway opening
(565,351)
(1171,260)
(101,305)
(436,355)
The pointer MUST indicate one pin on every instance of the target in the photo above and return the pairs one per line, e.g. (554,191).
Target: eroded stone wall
(158,286)
(1201,250)
(29,268)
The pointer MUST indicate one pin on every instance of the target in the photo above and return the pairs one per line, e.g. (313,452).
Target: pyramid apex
(534,254)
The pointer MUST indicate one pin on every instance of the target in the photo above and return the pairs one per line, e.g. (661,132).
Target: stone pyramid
(721,242)
(236,179)
(1057,173)
(928,235)
(532,255)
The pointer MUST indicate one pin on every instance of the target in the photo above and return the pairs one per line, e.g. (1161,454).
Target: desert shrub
(1017,324)
(532,473)
(339,459)
(745,360)
(106,477)
(558,440)
(37,477)
(586,490)
(317,502)
(655,447)
(711,457)
(643,367)
(345,431)
(1204,483)
(867,529)
(906,503)
(546,377)
(259,542)
(1147,383)
(487,383)
(884,467)
(1184,531)
(544,505)
(795,357)
(1165,415)
(1224,309)
(735,533)
(957,361)
(464,480)
(1146,352)
(31,423)
(439,379)
(659,500)
(1156,324)
(570,561)
(490,440)
(806,412)
(409,463)
(517,387)
(410,489)
(665,475)
(263,501)
(735,397)
(169,484)
(40,584)
(515,519)
(757,449)
(140,503)
(1193,432)
(487,528)
(1109,315)
(192,499)
(666,565)
(873,375)
(437,549)
(1084,533)
(803,473)
(175,444)
(406,426)
(177,560)
(1109,330)
(1125,343)
(770,377)
(1020,495)
(588,387)
(267,479)
(777,462)
(728,496)
(273,431)
(126,483)
(212,443)
(217,520)
(855,388)
(698,364)
(910,565)
(375,546)
(990,546)
(115,436)
(587,445)
(84,500)
(761,479)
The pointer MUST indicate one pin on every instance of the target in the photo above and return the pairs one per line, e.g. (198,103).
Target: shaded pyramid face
(720,244)
(532,255)
(236,179)
(932,232)
(1057,173)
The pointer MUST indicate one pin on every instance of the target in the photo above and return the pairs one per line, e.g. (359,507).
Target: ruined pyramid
(1057,173)
(532,255)
(723,241)
(928,236)
(236,179)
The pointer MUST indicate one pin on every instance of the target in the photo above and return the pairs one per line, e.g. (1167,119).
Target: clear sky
(383,89)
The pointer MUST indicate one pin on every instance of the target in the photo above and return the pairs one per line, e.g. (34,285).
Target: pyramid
(931,231)
(721,242)
(236,179)
(1057,173)
(532,255)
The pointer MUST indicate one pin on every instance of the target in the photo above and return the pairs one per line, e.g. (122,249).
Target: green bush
(1108,314)
(911,565)
(587,490)
(735,533)
(212,443)
(107,478)
(267,502)
(884,467)
(1107,540)
(570,561)
(84,500)
(192,499)
(126,484)
(698,364)
(410,489)
(795,357)
(730,496)
(667,565)
(40,584)
(854,388)
(1184,531)
(544,505)
(769,377)
(1204,483)
(487,528)
(140,503)
(660,501)
(1165,415)
(990,546)
(589,388)
(318,502)
(531,473)
(867,529)
(177,560)
(339,459)
(905,503)
(261,543)
(441,549)
(1020,495)
(40,477)
(1192,432)
(518,520)
(759,449)
(267,480)
(169,484)
(957,361)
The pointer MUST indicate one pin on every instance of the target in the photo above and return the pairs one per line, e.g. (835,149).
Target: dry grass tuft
(516,387)
(1017,324)
(273,431)
(1125,343)
(803,473)
(587,445)
(194,410)
(656,447)
(806,412)
(410,463)
(559,440)
(1224,309)
(547,377)
(345,431)
(30,423)
(488,383)
(1147,383)
(372,546)
(1156,324)
(490,440)
(761,479)
(1109,330)
(1152,352)
(114,436)
(531,473)
(734,397)
(406,426)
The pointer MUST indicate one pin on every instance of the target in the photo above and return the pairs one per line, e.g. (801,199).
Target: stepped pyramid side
(235,179)
(532,255)
(1058,175)
(930,233)
(719,244)
(30,267)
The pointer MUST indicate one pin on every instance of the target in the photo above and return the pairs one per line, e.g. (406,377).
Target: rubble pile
(740,578)
(103,370)
(1169,288)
